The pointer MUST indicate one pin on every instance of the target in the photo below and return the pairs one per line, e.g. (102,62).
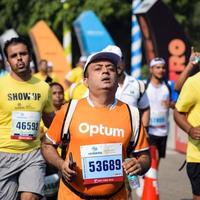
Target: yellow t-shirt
(78,91)
(189,102)
(75,75)
(40,76)
(43,77)
(54,77)
(66,95)
(21,107)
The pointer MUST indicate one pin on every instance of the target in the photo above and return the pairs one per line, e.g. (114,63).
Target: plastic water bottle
(133,180)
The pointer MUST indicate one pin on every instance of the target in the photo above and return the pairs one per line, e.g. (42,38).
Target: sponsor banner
(91,34)
(47,46)
(163,36)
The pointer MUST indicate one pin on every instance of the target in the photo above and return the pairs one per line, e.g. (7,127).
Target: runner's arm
(144,161)
(187,71)
(145,117)
(183,76)
(138,165)
(52,157)
(181,120)
(140,156)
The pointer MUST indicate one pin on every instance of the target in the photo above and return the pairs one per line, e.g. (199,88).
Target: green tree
(187,13)
(115,15)
(22,15)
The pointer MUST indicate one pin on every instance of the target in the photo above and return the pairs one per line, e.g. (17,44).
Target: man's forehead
(101,62)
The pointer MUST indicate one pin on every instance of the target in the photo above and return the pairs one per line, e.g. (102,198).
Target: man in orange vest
(103,133)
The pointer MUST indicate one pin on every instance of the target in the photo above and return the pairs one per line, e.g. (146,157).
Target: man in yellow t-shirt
(78,90)
(24,100)
(101,136)
(76,74)
(187,116)
(75,78)
(44,74)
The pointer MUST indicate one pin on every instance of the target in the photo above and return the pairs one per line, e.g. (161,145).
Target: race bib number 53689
(102,163)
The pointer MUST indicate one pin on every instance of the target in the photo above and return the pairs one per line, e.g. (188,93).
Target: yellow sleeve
(186,98)
(49,105)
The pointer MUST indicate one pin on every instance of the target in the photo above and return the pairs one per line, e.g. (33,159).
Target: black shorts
(160,142)
(193,171)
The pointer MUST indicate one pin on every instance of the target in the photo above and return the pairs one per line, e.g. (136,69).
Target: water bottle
(133,180)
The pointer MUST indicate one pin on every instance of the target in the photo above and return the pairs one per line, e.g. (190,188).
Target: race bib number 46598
(102,163)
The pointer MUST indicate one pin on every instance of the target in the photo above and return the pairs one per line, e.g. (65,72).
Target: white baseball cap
(112,57)
(157,61)
(83,59)
(113,49)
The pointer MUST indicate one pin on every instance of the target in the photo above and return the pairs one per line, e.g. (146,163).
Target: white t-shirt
(159,112)
(129,93)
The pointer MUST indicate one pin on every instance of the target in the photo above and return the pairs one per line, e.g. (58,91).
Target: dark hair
(56,84)
(16,40)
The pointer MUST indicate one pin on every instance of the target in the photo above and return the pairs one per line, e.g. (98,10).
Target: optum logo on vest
(100,129)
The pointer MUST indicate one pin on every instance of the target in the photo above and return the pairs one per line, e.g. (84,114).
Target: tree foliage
(187,13)
(116,16)
(22,15)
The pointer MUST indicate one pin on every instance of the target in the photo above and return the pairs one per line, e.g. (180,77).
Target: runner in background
(78,90)
(25,99)
(75,77)
(159,95)
(52,177)
(101,137)
(76,74)
(58,101)
(42,74)
(57,95)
